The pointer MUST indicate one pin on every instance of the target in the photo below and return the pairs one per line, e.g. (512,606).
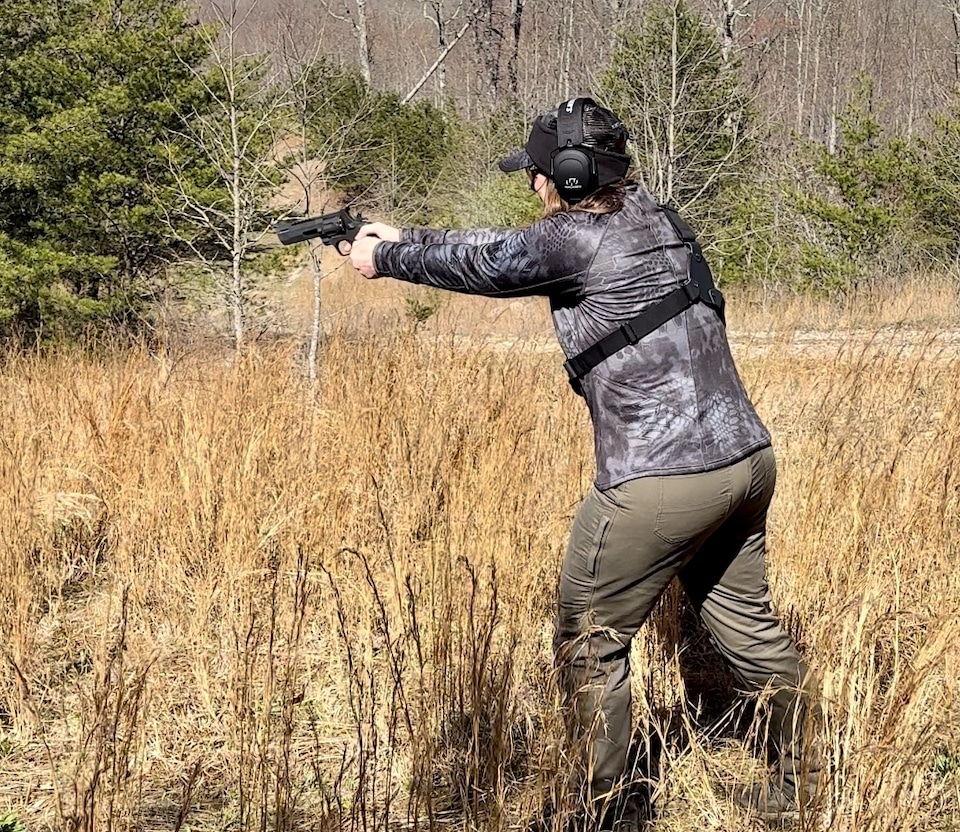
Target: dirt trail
(898,342)
(846,344)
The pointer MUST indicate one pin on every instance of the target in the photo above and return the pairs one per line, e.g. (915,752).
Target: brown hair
(607,200)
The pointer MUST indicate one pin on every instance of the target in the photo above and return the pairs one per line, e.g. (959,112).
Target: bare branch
(440,59)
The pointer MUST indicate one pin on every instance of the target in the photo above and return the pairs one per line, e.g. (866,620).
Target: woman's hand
(380,230)
(361,254)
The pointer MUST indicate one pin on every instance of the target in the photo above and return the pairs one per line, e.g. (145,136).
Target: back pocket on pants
(691,505)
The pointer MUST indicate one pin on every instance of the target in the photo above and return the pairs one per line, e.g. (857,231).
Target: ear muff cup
(574,173)
(573,166)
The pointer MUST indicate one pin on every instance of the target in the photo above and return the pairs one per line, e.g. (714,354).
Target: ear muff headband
(573,167)
(570,123)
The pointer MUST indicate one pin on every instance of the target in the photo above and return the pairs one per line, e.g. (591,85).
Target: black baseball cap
(603,133)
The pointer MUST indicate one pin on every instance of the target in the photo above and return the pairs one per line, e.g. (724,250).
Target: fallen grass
(231,601)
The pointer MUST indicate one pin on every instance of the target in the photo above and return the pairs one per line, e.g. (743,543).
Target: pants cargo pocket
(596,546)
(583,559)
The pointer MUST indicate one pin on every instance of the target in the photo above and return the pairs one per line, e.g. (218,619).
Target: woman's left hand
(361,256)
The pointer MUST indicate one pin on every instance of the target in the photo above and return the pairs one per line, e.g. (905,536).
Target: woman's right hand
(380,230)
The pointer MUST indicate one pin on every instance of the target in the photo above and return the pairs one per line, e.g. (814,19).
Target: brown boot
(794,746)
(769,802)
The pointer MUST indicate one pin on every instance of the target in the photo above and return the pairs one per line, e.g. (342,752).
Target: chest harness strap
(698,287)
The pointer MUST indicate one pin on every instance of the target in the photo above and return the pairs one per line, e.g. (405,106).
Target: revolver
(333,229)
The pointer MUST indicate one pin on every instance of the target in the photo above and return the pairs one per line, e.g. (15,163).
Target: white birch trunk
(801,8)
(822,11)
(835,91)
(728,13)
(955,14)
(237,250)
(363,38)
(674,105)
(316,331)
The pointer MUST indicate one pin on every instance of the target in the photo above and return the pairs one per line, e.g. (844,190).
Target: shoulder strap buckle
(630,333)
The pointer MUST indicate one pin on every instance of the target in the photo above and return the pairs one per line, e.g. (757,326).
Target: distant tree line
(144,151)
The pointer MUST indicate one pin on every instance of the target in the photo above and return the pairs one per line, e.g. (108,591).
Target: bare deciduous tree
(359,23)
(667,80)
(516,20)
(953,8)
(730,12)
(235,137)
(435,12)
(488,42)
(800,56)
(304,160)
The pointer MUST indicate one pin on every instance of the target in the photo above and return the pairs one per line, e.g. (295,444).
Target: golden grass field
(230,600)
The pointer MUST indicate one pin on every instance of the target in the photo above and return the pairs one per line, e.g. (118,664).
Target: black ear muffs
(573,167)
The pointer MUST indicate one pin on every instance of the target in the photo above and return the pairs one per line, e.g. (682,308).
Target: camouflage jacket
(671,404)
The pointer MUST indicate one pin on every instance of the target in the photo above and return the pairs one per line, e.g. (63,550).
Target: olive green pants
(627,544)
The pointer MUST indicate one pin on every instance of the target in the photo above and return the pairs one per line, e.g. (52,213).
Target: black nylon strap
(631,332)
(684,231)
(699,287)
(699,269)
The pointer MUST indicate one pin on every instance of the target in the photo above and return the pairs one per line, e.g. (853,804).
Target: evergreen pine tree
(689,117)
(938,184)
(856,203)
(91,89)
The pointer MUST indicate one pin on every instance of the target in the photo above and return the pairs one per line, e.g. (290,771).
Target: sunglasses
(532,172)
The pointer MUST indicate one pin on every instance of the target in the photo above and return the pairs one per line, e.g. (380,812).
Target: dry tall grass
(228,601)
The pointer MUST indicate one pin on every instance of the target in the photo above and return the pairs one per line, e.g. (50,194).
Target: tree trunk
(366,58)
(955,14)
(728,15)
(316,331)
(835,90)
(566,49)
(441,50)
(914,64)
(488,40)
(237,251)
(813,118)
(729,12)
(801,62)
(671,148)
(513,75)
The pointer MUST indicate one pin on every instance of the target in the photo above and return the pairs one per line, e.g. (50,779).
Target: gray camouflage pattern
(671,404)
